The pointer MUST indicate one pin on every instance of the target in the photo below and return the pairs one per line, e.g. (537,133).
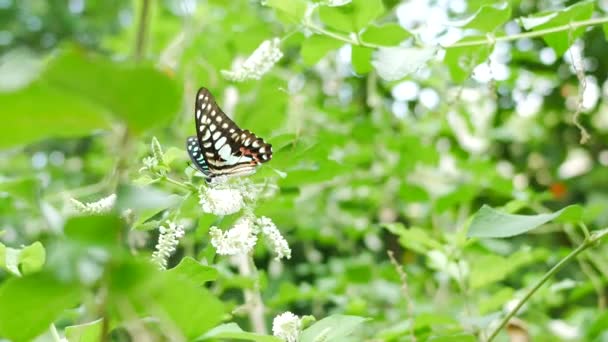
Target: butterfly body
(220,147)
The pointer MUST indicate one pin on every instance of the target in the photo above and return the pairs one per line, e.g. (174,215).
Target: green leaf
(176,299)
(388,34)
(145,199)
(352,17)
(414,238)
(195,271)
(361,58)
(233,331)
(394,63)
(22,261)
(605,27)
(293,9)
(462,60)
(316,47)
(87,332)
(560,41)
(94,230)
(488,18)
(488,222)
(30,304)
(138,94)
(453,338)
(332,328)
(54,112)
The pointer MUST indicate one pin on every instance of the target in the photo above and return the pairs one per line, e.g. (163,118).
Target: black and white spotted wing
(220,147)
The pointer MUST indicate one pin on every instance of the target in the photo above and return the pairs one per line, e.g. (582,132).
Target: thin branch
(406,292)
(253,298)
(532,34)
(142,30)
(587,243)
(340,36)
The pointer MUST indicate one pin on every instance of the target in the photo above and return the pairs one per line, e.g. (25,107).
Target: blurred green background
(370,165)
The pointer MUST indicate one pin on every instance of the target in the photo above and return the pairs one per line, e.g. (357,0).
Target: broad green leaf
(195,271)
(414,238)
(453,338)
(361,58)
(352,17)
(54,112)
(488,222)
(24,260)
(560,41)
(394,63)
(87,332)
(293,9)
(488,18)
(605,27)
(332,328)
(462,60)
(140,95)
(167,296)
(144,199)
(31,303)
(26,188)
(233,331)
(94,230)
(388,34)
(316,47)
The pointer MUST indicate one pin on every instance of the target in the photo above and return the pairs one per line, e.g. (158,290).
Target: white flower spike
(167,243)
(258,64)
(275,239)
(287,326)
(104,205)
(240,239)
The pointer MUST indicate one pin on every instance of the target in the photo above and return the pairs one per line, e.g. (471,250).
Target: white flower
(259,63)
(220,202)
(168,239)
(240,239)
(287,326)
(275,239)
(104,205)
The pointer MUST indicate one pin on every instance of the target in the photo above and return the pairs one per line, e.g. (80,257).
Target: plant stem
(589,242)
(142,30)
(178,183)
(532,34)
(340,36)
(253,298)
(55,333)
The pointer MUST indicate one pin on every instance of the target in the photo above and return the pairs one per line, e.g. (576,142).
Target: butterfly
(220,147)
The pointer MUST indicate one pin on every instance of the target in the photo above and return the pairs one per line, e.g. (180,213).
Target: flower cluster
(275,239)
(258,64)
(220,201)
(104,205)
(240,239)
(168,240)
(287,326)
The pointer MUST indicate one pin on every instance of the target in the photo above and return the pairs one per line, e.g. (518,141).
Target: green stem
(55,333)
(591,241)
(340,36)
(178,183)
(253,297)
(532,34)
(142,30)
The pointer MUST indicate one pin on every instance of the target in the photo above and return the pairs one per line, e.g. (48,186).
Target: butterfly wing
(225,148)
(196,155)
